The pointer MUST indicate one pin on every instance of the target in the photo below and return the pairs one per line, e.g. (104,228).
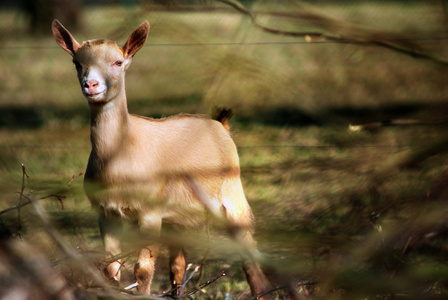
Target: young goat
(150,171)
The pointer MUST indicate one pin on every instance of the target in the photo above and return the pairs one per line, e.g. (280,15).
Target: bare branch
(283,287)
(343,32)
(74,177)
(205,284)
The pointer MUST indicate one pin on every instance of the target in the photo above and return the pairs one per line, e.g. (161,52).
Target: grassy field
(327,204)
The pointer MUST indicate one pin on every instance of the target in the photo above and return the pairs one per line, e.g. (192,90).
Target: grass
(306,177)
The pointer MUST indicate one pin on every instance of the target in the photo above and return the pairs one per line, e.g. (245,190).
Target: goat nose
(91,84)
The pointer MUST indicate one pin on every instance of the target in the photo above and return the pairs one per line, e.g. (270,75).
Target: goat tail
(223,115)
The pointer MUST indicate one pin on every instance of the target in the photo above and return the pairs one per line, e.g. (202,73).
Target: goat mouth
(95,96)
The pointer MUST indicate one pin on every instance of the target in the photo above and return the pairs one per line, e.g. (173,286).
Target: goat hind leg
(254,274)
(251,267)
(177,268)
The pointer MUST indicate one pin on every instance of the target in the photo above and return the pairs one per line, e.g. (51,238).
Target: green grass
(306,177)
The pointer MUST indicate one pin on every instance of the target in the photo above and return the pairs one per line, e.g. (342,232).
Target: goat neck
(109,125)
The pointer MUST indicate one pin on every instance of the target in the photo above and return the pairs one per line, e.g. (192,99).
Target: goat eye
(118,63)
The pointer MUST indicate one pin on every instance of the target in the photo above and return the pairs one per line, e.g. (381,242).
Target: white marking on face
(93,85)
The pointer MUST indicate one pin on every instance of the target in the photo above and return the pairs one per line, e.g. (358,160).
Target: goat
(140,169)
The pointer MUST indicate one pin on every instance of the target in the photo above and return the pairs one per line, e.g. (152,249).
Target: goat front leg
(150,226)
(177,268)
(110,228)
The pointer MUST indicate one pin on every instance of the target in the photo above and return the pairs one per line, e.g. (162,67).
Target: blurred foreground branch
(75,257)
(45,279)
(341,31)
(252,255)
(30,275)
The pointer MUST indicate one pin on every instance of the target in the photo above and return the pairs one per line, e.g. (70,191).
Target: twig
(29,201)
(201,268)
(345,32)
(19,218)
(16,206)
(185,282)
(185,275)
(282,287)
(122,265)
(115,258)
(131,286)
(21,203)
(118,256)
(74,177)
(205,284)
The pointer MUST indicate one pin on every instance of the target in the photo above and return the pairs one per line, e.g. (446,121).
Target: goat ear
(136,40)
(64,38)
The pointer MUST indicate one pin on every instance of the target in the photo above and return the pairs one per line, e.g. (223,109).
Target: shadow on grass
(36,116)
(292,116)
(28,117)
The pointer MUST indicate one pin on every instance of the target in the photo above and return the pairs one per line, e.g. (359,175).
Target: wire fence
(239,147)
(287,77)
(421,39)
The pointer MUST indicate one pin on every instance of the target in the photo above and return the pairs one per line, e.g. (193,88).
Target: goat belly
(126,199)
(172,197)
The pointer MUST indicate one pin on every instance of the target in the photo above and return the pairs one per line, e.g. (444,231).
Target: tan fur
(137,167)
